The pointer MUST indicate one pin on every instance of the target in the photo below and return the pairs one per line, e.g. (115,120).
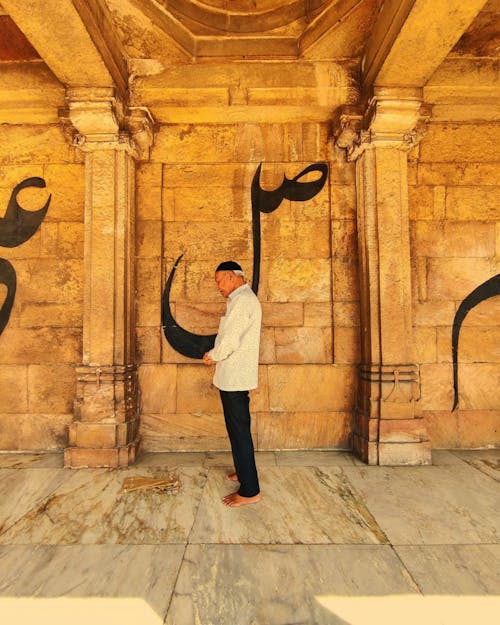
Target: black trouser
(237,416)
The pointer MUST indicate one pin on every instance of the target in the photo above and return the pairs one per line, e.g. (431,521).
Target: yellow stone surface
(303,345)
(267,352)
(34,432)
(94,272)
(447,143)
(473,203)
(455,278)
(33,144)
(300,280)
(148,341)
(51,388)
(463,428)
(40,345)
(150,202)
(149,239)
(283,314)
(455,239)
(158,388)
(346,345)
(476,344)
(318,314)
(184,432)
(195,392)
(303,430)
(14,385)
(345,314)
(333,388)
(426,344)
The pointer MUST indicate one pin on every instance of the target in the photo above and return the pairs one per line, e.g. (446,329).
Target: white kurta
(236,349)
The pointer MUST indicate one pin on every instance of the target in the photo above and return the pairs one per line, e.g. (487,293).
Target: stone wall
(41,344)
(456,247)
(194,199)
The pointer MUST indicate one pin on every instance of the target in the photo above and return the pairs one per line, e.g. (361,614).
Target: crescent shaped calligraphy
(183,341)
(18,225)
(7,277)
(263,201)
(484,291)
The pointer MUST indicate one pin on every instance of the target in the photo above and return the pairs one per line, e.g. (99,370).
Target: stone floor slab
(444,457)
(146,572)
(171,459)
(278,585)
(21,490)
(486,460)
(307,505)
(314,458)
(431,505)
(88,508)
(453,569)
(32,461)
(225,459)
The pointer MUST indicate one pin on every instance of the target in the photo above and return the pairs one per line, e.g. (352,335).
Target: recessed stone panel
(51,388)
(303,430)
(329,388)
(158,388)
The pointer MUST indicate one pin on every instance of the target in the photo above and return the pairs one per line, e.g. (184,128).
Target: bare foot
(232,477)
(234,500)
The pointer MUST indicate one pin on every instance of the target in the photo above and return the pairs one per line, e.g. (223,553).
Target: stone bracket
(95,118)
(388,121)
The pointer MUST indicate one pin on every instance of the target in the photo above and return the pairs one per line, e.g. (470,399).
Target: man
(236,359)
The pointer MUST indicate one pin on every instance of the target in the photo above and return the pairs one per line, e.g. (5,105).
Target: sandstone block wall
(194,199)
(455,222)
(41,344)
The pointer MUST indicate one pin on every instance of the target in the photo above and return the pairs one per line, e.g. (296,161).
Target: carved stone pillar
(388,428)
(104,432)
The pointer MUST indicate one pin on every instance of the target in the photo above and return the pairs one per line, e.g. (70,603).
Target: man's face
(226,282)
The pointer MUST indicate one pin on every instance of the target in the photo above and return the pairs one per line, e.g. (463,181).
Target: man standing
(236,358)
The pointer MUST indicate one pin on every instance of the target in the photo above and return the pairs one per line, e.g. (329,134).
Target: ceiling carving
(244,16)
(246,28)
(253,28)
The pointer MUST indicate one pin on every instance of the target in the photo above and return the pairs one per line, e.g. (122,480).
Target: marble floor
(333,541)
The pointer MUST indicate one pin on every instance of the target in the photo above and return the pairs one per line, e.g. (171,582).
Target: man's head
(228,277)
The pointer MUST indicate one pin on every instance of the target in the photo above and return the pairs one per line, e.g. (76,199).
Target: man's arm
(229,339)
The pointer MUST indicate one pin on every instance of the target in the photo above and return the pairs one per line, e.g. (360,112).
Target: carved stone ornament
(95,119)
(347,124)
(391,122)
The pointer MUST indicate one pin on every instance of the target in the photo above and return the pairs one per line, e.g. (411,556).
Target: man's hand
(207,360)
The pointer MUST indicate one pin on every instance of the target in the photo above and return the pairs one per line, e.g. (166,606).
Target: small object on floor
(169,484)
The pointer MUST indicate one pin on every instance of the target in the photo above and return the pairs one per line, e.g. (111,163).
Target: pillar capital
(95,119)
(392,118)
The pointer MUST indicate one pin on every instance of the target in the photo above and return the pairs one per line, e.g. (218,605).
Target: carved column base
(387,427)
(105,430)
